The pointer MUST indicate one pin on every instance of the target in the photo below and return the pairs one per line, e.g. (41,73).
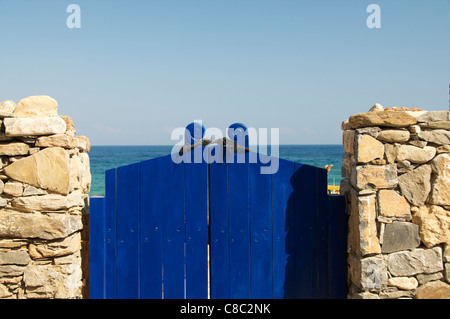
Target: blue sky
(135,70)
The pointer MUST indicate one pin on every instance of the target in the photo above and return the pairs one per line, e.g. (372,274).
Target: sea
(103,158)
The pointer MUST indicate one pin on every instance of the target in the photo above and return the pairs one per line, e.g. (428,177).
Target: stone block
(391,204)
(362,236)
(434,223)
(374,176)
(400,236)
(348,141)
(34,126)
(36,106)
(433,116)
(404,283)
(368,148)
(433,290)
(415,185)
(45,226)
(393,136)
(383,118)
(415,154)
(47,169)
(417,261)
(440,137)
(50,202)
(440,190)
(14,149)
(14,257)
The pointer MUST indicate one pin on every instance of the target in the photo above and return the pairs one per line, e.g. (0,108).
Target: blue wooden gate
(217,230)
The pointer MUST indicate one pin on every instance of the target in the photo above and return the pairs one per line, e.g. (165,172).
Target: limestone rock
(376,108)
(362,236)
(415,185)
(374,176)
(433,290)
(400,236)
(393,136)
(13,188)
(31,190)
(434,222)
(14,149)
(373,273)
(7,107)
(47,169)
(447,252)
(443,149)
(415,154)
(57,248)
(14,257)
(34,126)
(391,204)
(424,278)
(440,137)
(36,106)
(372,131)
(410,263)
(4,292)
(368,149)
(384,118)
(348,140)
(405,283)
(57,140)
(391,152)
(440,186)
(445,125)
(70,127)
(433,116)
(45,226)
(50,202)
(83,143)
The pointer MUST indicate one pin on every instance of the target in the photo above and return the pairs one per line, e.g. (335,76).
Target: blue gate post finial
(238,132)
(194,133)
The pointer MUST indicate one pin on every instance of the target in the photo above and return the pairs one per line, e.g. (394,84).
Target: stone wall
(44,181)
(396,171)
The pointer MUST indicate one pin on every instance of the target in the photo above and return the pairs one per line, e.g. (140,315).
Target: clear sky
(135,70)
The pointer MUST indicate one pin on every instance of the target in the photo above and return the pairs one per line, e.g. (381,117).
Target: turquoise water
(106,157)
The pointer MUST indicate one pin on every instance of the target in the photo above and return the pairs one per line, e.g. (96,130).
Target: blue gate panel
(196,208)
(151,176)
(337,231)
(305,231)
(110,234)
(322,234)
(283,203)
(219,230)
(174,232)
(127,237)
(239,226)
(220,254)
(97,248)
(260,230)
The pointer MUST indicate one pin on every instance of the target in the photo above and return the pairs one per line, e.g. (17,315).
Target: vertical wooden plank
(239,224)
(322,234)
(305,230)
(151,177)
(127,236)
(97,248)
(284,231)
(173,230)
(110,234)
(261,230)
(196,210)
(220,259)
(337,230)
